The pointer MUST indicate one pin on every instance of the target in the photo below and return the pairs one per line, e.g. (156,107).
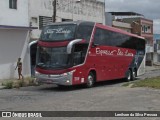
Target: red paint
(51,71)
(53,44)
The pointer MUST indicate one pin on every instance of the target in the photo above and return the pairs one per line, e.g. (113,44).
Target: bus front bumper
(59,79)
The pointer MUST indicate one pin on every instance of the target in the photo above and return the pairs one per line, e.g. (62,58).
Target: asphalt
(152,68)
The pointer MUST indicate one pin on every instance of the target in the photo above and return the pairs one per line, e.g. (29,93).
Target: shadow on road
(109,83)
(54,88)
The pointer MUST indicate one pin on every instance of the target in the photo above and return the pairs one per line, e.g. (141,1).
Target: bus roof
(118,30)
(98,25)
(73,22)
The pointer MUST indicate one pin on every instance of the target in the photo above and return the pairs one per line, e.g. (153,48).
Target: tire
(61,86)
(133,75)
(90,80)
(128,76)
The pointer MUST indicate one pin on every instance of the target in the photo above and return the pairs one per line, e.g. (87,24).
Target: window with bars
(43,21)
(13,4)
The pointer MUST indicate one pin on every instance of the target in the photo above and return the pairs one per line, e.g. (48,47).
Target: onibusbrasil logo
(21,114)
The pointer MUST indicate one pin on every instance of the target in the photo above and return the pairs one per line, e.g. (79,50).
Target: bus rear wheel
(128,76)
(133,75)
(90,80)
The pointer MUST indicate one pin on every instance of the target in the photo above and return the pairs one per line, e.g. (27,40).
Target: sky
(149,8)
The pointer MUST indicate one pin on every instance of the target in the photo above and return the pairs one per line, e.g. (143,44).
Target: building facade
(20,16)
(136,24)
(156,56)
(41,12)
(123,26)
(143,27)
(14,37)
(14,12)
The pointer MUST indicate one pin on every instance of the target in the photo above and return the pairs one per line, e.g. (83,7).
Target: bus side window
(101,37)
(97,38)
(80,53)
(84,32)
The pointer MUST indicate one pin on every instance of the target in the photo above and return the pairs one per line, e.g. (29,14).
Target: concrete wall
(155,57)
(89,10)
(13,44)
(121,25)
(108,19)
(14,17)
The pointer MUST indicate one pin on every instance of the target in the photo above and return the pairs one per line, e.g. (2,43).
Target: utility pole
(54,4)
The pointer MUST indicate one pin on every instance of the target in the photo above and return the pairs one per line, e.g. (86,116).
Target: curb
(152,69)
(2,87)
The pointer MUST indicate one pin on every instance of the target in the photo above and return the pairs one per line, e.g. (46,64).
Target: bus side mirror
(70,45)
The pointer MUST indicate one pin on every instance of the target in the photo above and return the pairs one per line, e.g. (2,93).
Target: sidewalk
(152,68)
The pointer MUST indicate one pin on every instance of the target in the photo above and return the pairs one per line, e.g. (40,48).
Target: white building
(41,12)
(156,55)
(14,37)
(19,15)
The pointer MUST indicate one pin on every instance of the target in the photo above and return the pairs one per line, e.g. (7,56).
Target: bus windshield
(58,32)
(53,58)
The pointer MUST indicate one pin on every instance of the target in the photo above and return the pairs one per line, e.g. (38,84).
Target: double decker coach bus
(72,53)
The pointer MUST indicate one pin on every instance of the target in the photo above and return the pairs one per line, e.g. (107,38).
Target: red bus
(80,52)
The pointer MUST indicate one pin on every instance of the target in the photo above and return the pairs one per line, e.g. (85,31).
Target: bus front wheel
(90,80)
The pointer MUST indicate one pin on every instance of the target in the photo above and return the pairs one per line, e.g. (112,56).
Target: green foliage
(126,84)
(149,82)
(28,81)
(8,84)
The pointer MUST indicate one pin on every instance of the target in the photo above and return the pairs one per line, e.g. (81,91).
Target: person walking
(19,66)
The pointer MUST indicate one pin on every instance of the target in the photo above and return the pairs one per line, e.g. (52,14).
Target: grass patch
(28,81)
(149,82)
(8,84)
(126,84)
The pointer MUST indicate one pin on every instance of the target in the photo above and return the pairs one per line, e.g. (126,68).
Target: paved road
(150,74)
(106,96)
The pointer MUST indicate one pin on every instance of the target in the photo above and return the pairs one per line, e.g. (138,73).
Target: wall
(137,24)
(108,19)
(14,42)
(156,56)
(89,10)
(14,17)
(12,46)
(121,25)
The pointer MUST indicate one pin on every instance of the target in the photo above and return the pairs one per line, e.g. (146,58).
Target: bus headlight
(67,81)
(37,73)
(69,73)
(65,74)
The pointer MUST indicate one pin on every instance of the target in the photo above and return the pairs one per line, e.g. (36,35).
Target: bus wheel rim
(129,75)
(134,74)
(90,80)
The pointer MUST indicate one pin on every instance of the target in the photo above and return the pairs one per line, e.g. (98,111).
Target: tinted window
(58,32)
(110,38)
(13,4)
(52,58)
(84,32)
